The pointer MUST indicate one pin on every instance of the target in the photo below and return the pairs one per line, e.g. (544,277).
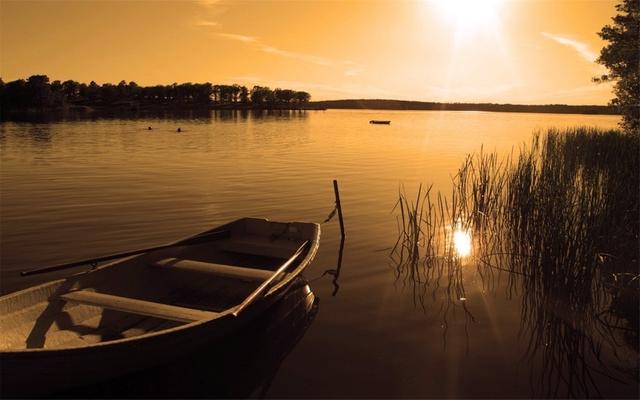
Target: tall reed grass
(561,220)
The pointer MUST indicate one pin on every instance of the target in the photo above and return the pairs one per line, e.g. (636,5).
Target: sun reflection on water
(462,241)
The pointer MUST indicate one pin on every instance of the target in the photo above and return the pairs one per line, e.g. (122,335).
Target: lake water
(77,189)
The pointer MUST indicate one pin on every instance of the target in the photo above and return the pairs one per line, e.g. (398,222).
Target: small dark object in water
(149,128)
(377,121)
(179,130)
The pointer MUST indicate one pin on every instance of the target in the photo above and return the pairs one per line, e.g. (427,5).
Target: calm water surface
(78,189)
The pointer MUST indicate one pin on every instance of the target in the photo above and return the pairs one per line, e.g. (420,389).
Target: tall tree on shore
(39,90)
(283,96)
(93,92)
(71,89)
(261,95)
(134,90)
(244,95)
(621,56)
(302,97)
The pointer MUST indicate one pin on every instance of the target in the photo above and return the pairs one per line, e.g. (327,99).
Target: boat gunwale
(226,314)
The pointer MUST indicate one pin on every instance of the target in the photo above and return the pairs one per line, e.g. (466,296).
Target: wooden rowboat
(146,309)
(244,367)
(382,122)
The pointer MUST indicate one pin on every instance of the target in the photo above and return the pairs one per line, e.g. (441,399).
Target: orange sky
(503,51)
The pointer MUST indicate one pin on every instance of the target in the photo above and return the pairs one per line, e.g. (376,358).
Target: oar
(205,237)
(268,282)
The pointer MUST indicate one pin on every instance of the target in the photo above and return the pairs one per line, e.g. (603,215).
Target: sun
(470,15)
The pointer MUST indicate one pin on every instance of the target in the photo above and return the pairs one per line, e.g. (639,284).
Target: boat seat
(226,271)
(261,246)
(135,306)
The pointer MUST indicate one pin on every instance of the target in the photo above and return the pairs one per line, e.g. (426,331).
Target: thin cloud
(581,48)
(206,24)
(298,56)
(241,38)
(323,91)
(352,71)
(210,11)
(308,58)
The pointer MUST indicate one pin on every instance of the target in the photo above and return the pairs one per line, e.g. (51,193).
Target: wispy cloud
(580,47)
(322,91)
(206,24)
(241,38)
(308,58)
(352,72)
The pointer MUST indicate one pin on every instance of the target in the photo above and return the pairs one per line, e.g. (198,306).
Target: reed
(562,220)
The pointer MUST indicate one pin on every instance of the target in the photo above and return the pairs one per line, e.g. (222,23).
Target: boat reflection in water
(241,366)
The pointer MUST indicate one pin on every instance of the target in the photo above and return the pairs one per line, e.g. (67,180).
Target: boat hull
(44,364)
(27,374)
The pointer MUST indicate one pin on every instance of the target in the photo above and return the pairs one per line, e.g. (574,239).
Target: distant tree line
(379,104)
(38,92)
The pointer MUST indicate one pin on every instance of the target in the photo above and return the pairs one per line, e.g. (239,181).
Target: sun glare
(462,242)
(470,14)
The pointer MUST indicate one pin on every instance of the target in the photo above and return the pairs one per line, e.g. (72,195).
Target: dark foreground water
(83,188)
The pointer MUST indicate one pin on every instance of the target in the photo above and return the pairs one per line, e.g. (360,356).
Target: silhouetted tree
(123,90)
(283,96)
(57,96)
(39,91)
(235,91)
(108,93)
(216,94)
(261,95)
(16,95)
(621,56)
(134,90)
(71,90)
(202,93)
(92,93)
(244,95)
(226,94)
(302,98)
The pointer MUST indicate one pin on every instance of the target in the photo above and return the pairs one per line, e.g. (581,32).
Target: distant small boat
(378,121)
(147,309)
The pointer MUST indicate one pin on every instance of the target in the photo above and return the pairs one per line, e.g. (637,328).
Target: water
(84,188)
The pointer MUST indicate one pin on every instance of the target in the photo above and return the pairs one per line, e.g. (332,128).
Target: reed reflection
(562,223)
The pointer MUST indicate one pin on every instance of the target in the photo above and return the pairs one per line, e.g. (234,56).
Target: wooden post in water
(337,193)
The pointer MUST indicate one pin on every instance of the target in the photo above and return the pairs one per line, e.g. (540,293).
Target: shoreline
(381,105)
(406,105)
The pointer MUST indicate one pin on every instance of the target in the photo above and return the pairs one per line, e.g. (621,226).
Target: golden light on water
(462,242)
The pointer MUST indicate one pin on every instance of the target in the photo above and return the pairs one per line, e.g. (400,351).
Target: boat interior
(201,280)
